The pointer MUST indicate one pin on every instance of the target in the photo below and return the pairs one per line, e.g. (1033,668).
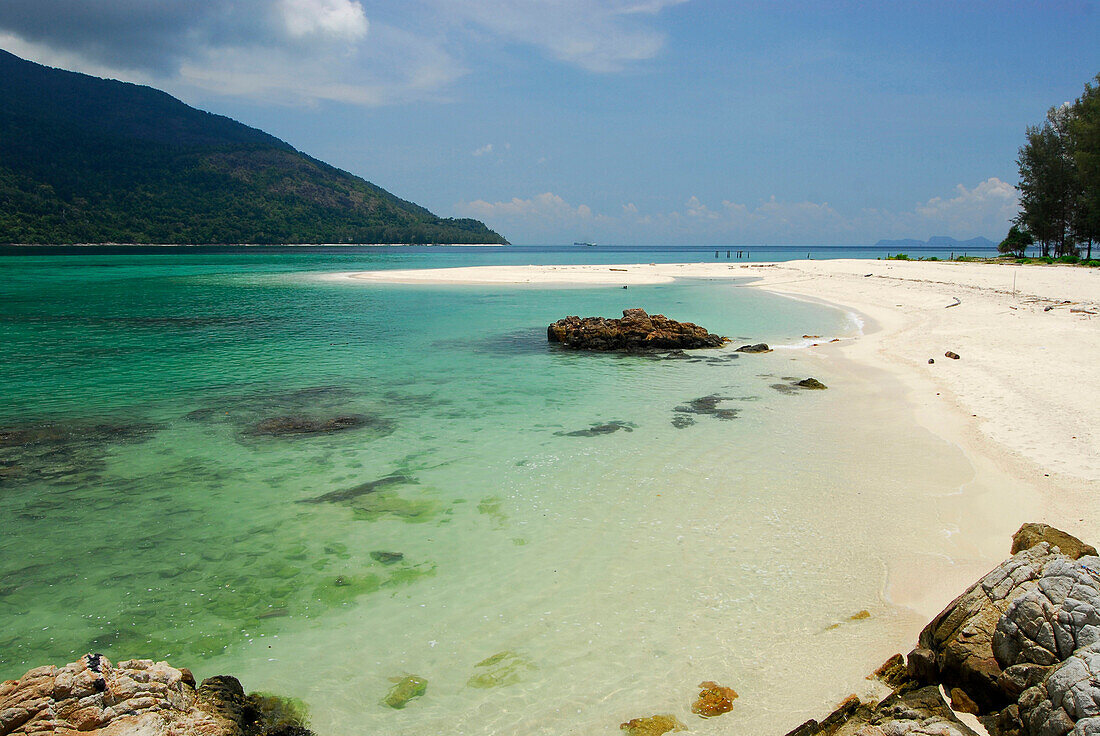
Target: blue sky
(621,121)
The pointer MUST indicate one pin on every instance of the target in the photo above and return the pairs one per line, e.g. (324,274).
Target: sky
(649,122)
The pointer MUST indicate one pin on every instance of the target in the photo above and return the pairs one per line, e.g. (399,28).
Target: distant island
(937,241)
(90,160)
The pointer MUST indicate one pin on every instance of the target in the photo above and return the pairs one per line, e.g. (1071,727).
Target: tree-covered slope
(88,160)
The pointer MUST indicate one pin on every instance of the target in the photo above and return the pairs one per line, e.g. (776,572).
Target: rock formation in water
(637,330)
(1020,649)
(139,697)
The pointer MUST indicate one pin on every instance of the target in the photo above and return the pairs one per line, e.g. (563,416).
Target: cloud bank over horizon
(983,210)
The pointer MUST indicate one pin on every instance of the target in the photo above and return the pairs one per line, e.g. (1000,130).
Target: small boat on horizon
(590,245)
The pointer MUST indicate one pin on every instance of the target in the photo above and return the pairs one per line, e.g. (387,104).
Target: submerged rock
(386,558)
(708,406)
(797,386)
(405,689)
(652,725)
(501,669)
(363,489)
(636,330)
(63,450)
(597,429)
(289,426)
(139,696)
(680,422)
(714,700)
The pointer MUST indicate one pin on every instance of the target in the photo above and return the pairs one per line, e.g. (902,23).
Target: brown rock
(893,671)
(637,330)
(949,354)
(962,703)
(1032,533)
(137,696)
(848,710)
(811,383)
(760,347)
(714,700)
(960,638)
(652,725)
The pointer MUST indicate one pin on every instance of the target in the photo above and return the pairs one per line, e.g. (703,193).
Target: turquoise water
(486,495)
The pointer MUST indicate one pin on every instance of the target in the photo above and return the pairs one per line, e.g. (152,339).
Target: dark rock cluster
(637,330)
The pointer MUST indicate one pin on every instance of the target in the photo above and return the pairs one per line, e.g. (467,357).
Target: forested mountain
(89,160)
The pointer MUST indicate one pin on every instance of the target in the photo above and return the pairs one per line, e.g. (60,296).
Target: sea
(220,458)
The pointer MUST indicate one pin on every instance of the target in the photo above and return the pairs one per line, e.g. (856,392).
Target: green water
(146,512)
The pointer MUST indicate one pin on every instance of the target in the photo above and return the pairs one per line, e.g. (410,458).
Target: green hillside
(89,160)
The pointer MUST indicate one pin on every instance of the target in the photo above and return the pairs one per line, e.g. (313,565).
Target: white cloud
(309,50)
(487,148)
(393,67)
(342,19)
(597,35)
(989,205)
(547,206)
(984,209)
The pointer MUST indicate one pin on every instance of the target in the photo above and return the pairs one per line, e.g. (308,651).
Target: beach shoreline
(1017,402)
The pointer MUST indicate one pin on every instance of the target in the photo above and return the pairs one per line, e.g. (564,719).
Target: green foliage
(1069,258)
(898,257)
(1093,263)
(1060,177)
(1016,242)
(86,160)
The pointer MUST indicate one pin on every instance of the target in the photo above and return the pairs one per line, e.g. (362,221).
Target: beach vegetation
(1016,242)
(1060,179)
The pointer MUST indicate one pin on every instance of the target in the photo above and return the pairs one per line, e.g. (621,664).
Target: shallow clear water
(540,503)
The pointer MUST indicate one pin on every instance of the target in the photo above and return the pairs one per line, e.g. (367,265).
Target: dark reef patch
(599,429)
(350,494)
(63,450)
(708,406)
(292,426)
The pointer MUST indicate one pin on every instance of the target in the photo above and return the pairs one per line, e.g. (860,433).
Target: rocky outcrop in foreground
(141,697)
(1020,649)
(635,331)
